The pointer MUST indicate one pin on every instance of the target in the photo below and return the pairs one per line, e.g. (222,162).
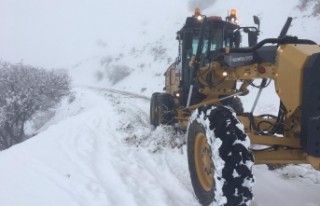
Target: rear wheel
(152,107)
(162,109)
(218,156)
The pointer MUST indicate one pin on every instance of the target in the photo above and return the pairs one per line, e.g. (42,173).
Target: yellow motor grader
(202,87)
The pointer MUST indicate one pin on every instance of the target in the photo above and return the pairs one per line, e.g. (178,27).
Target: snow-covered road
(100,150)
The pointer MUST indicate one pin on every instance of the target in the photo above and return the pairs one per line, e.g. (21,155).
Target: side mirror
(256,20)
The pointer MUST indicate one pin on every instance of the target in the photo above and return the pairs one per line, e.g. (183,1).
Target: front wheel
(220,163)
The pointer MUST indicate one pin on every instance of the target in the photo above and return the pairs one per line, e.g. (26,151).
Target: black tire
(220,163)
(162,109)
(235,103)
(152,107)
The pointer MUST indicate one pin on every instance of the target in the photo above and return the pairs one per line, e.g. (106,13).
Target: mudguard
(310,110)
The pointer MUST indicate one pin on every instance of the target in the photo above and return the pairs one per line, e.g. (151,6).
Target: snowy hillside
(100,149)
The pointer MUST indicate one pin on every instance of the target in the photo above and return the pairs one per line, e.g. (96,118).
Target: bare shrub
(305,4)
(158,52)
(99,75)
(117,73)
(105,61)
(316,9)
(25,91)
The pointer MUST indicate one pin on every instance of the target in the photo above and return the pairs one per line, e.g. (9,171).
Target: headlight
(199,18)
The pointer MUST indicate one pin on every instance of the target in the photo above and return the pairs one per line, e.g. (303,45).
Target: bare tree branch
(24,91)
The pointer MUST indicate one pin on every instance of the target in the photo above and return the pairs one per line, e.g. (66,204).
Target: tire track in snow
(160,172)
(78,148)
(115,91)
(108,152)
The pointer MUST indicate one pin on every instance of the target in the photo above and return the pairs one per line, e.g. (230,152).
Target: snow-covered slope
(100,149)
(83,159)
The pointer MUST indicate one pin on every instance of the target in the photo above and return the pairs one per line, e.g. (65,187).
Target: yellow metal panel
(271,140)
(314,161)
(172,77)
(280,157)
(285,157)
(289,72)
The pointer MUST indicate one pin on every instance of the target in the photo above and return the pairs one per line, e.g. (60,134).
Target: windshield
(212,42)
